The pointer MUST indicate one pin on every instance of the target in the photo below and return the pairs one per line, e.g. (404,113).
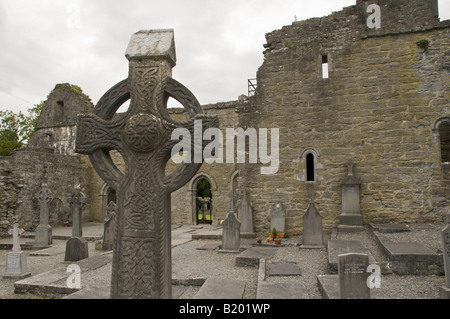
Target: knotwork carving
(141,255)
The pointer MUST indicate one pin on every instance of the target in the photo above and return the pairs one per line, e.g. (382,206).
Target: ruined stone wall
(48,159)
(378,108)
(10,187)
(22,176)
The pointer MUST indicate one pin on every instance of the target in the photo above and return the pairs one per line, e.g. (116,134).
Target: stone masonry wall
(377,108)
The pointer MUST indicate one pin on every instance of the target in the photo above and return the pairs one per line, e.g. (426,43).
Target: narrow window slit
(325,71)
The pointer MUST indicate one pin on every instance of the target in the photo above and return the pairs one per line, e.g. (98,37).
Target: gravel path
(189,262)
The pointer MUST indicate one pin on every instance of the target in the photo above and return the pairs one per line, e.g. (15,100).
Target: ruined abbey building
(337,89)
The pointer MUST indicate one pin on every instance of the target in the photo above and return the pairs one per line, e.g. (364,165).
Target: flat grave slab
(54,281)
(284,269)
(210,246)
(251,256)
(409,251)
(218,288)
(390,228)
(267,290)
(329,287)
(104,293)
(91,293)
(339,247)
(411,258)
(51,251)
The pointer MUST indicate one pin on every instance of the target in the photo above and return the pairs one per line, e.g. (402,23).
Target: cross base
(43,236)
(16,266)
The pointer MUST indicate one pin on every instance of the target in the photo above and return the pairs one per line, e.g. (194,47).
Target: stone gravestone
(312,228)
(245,215)
(231,238)
(16,263)
(109,226)
(278,218)
(350,219)
(352,270)
(43,234)
(445,291)
(76,246)
(141,266)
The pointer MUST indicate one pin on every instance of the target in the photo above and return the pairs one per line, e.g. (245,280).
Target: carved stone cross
(43,234)
(142,245)
(16,232)
(76,201)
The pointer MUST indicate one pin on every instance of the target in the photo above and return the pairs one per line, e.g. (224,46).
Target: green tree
(17,128)
(204,188)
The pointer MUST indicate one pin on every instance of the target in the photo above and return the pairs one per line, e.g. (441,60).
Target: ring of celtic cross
(142,131)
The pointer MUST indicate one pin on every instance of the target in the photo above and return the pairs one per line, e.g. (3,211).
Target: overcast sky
(219,43)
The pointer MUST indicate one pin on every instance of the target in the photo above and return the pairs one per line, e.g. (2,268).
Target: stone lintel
(156,44)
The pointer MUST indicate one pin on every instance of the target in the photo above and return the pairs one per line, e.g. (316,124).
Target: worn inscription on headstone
(353,276)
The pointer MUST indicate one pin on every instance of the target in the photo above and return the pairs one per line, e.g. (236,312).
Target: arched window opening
(444,137)
(310,174)
(111,195)
(203,202)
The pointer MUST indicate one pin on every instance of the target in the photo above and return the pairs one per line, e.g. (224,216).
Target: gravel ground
(189,262)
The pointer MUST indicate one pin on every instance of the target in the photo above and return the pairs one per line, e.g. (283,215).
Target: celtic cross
(76,201)
(142,243)
(43,234)
(46,196)
(16,232)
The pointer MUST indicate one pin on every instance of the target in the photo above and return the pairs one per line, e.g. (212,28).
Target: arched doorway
(441,130)
(203,200)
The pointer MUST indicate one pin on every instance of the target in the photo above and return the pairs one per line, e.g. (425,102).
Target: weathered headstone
(231,238)
(76,246)
(245,215)
(43,233)
(141,266)
(312,228)
(350,218)
(16,262)
(278,218)
(445,291)
(109,226)
(352,270)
